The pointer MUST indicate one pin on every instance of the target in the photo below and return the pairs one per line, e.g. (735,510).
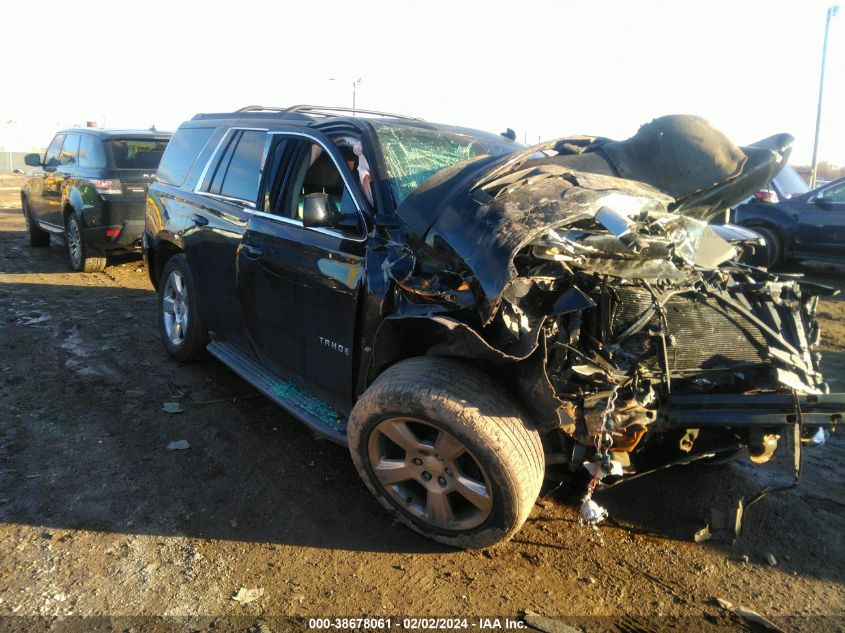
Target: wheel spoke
(177,330)
(474,492)
(437,508)
(168,304)
(400,433)
(74,246)
(177,282)
(447,447)
(393,471)
(428,482)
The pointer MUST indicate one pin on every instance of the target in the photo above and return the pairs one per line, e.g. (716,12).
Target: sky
(543,68)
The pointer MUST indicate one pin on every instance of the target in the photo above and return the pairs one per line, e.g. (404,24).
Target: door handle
(199,220)
(251,252)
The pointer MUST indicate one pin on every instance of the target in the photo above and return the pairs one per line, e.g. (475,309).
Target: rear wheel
(180,324)
(83,257)
(38,237)
(442,447)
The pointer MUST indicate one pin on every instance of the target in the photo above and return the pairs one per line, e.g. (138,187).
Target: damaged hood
(681,155)
(632,209)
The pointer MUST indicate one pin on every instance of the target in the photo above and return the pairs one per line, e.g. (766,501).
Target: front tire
(180,324)
(442,447)
(83,257)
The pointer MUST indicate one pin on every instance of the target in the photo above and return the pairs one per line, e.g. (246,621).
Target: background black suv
(90,187)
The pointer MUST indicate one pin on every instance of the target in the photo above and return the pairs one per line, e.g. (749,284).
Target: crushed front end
(656,344)
(585,272)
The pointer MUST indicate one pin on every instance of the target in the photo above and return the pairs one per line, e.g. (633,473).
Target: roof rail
(323,111)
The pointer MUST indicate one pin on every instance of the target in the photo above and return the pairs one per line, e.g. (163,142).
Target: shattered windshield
(414,154)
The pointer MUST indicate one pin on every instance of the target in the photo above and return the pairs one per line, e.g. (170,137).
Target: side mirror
(320,211)
(821,203)
(33,160)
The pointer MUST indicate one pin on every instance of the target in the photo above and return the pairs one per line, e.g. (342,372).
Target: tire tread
(483,407)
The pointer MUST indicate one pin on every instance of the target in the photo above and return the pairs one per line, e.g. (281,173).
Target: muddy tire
(772,254)
(38,237)
(180,324)
(83,257)
(447,451)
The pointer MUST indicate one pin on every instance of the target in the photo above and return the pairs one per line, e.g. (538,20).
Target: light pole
(9,125)
(831,12)
(355,85)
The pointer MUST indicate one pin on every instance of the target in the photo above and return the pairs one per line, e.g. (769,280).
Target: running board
(313,412)
(50,228)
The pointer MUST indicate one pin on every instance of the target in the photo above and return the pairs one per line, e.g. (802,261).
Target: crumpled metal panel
(682,155)
(527,204)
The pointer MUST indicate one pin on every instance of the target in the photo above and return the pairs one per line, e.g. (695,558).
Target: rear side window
(91,153)
(69,157)
(181,153)
(220,170)
(237,173)
(137,153)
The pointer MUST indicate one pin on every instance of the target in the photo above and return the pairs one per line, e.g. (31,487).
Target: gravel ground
(99,518)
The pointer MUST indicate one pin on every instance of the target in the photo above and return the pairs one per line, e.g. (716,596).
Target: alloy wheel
(74,242)
(430,474)
(174,307)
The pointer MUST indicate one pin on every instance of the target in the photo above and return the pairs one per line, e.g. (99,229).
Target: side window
(352,150)
(312,170)
(69,156)
(277,159)
(243,171)
(181,154)
(834,195)
(51,158)
(91,153)
(219,172)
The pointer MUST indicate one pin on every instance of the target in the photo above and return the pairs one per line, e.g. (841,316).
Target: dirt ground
(98,518)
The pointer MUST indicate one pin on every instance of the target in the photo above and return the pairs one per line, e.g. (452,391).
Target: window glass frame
(233,178)
(285,170)
(274,164)
(100,153)
(221,157)
(837,190)
(56,147)
(189,164)
(73,153)
(295,173)
(218,173)
(114,142)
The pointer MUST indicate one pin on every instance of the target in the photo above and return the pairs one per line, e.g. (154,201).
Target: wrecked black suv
(463,311)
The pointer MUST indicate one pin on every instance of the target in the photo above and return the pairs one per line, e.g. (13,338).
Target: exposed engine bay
(586,272)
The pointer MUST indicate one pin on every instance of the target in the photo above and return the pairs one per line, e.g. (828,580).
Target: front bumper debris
(760,410)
